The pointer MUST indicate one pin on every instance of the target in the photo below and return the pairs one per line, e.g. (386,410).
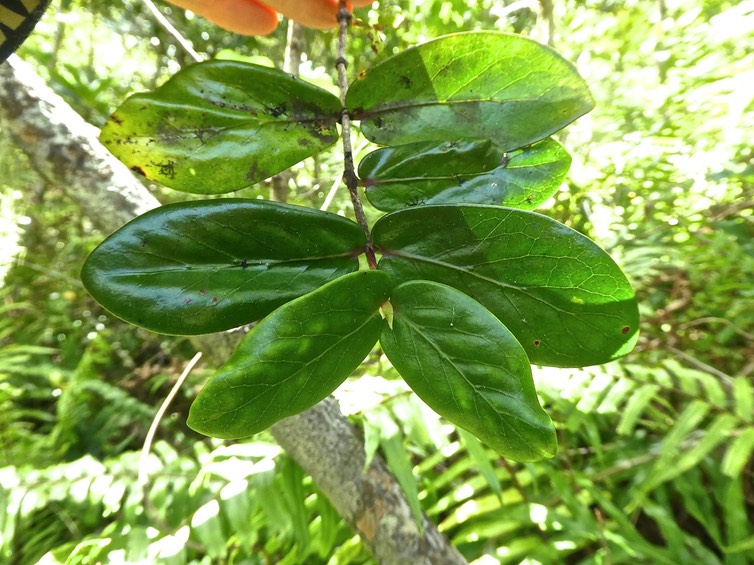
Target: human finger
(318,14)
(247,17)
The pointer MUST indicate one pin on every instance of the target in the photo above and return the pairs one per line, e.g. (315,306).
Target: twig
(349,173)
(170,28)
(334,188)
(701,365)
(143,474)
(715,319)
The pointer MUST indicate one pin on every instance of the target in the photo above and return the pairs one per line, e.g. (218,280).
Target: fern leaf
(744,399)
(738,453)
(635,407)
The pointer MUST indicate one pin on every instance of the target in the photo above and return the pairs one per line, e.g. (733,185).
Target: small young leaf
(564,298)
(468,367)
(471,171)
(207,266)
(293,358)
(220,126)
(482,85)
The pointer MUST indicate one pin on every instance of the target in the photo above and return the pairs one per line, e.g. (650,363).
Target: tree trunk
(65,151)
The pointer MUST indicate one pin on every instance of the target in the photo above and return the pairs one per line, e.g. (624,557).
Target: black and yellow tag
(17,19)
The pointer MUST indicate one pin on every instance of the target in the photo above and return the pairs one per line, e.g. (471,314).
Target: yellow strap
(9,18)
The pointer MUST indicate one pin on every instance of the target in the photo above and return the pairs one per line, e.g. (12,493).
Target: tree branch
(65,151)
(349,172)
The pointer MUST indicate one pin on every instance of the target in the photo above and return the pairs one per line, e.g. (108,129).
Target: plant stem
(349,173)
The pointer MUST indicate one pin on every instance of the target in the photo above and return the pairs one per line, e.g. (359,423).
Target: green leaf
(482,85)
(744,399)
(673,450)
(738,453)
(468,367)
(220,126)
(472,171)
(200,267)
(564,298)
(397,459)
(293,358)
(635,407)
(372,428)
(481,461)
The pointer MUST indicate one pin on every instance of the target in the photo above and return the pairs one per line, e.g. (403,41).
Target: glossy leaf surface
(466,171)
(482,85)
(293,358)
(468,367)
(200,267)
(564,298)
(220,126)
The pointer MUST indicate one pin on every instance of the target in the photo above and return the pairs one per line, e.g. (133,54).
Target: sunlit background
(655,459)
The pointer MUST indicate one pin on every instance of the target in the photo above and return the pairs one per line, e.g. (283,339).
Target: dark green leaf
(471,171)
(468,367)
(293,358)
(200,267)
(482,85)
(221,126)
(562,296)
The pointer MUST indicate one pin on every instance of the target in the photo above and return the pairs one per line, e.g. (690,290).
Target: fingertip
(317,14)
(245,17)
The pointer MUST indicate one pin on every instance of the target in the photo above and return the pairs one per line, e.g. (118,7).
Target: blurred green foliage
(655,464)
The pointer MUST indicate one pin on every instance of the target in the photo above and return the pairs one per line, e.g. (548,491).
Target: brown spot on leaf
(322,131)
(215,300)
(138,170)
(537,343)
(253,173)
(116,119)
(202,291)
(624,330)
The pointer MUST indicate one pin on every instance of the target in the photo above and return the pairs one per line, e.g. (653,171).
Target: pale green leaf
(635,406)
